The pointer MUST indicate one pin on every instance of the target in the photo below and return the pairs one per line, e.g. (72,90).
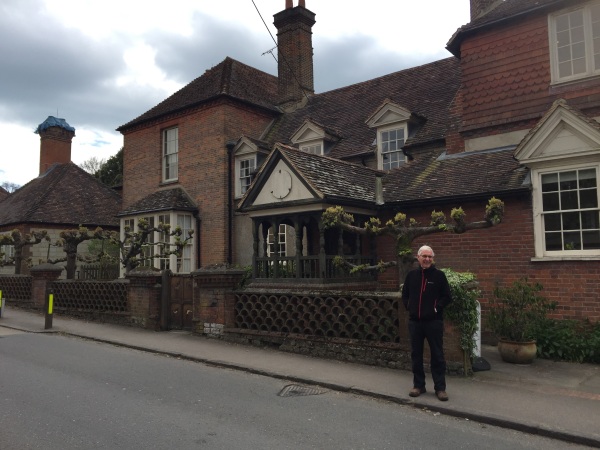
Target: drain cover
(295,390)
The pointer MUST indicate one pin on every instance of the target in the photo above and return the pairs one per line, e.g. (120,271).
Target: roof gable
(562,133)
(388,113)
(230,78)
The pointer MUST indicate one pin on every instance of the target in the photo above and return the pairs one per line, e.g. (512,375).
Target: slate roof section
(3,193)
(427,91)
(463,175)
(332,178)
(505,10)
(229,78)
(64,195)
(166,200)
(438,177)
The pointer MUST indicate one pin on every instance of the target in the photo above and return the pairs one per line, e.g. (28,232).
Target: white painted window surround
(574,36)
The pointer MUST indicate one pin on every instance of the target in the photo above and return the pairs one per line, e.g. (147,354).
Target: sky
(100,63)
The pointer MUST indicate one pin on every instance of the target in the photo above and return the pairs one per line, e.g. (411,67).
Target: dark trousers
(433,331)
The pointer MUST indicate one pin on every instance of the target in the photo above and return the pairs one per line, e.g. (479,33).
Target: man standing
(425,294)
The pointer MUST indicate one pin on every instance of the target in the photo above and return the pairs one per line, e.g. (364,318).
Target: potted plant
(513,315)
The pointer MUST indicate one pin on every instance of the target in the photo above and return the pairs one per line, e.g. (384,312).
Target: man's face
(425,259)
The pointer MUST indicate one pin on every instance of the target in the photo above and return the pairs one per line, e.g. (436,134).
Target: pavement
(559,400)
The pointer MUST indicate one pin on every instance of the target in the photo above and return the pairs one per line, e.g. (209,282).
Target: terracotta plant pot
(517,352)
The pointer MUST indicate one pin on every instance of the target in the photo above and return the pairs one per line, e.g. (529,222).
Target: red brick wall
(203,165)
(503,254)
(506,76)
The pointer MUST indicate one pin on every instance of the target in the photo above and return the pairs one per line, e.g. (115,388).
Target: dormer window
(391,142)
(391,122)
(249,154)
(574,43)
(316,149)
(314,138)
(246,170)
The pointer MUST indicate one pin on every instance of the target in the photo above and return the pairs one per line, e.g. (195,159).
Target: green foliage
(494,211)
(462,312)
(516,311)
(438,218)
(111,171)
(335,216)
(568,340)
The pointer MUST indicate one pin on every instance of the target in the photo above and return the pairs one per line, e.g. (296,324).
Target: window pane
(565,70)
(550,182)
(588,198)
(568,180)
(589,220)
(576,18)
(571,221)
(587,178)
(568,200)
(572,241)
(553,242)
(591,240)
(552,222)
(579,66)
(550,202)
(562,23)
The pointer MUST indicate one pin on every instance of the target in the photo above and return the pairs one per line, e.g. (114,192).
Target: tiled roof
(332,178)
(3,193)
(64,195)
(504,10)
(228,78)
(433,177)
(484,173)
(426,91)
(169,199)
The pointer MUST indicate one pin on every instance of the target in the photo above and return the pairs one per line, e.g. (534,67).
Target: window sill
(559,87)
(168,183)
(565,258)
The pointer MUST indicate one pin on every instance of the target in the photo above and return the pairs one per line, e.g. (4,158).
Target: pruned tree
(19,241)
(137,247)
(70,239)
(92,165)
(10,186)
(405,231)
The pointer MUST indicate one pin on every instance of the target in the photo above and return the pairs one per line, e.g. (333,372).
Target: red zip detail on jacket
(423,286)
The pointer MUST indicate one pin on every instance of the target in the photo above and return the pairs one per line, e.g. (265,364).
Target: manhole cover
(295,390)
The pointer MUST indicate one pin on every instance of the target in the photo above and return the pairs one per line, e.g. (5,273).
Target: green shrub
(568,340)
(462,312)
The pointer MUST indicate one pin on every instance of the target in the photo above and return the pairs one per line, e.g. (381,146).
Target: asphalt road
(66,393)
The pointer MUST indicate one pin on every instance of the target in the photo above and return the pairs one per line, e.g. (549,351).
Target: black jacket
(426,293)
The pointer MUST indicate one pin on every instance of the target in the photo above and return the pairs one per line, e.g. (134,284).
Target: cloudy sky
(100,63)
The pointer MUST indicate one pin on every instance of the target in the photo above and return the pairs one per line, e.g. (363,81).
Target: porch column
(276,248)
(322,254)
(265,235)
(298,230)
(254,248)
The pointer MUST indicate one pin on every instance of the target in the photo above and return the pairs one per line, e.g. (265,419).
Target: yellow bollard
(49,308)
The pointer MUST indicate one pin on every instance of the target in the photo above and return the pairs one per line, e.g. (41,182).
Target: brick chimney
(480,7)
(55,142)
(295,54)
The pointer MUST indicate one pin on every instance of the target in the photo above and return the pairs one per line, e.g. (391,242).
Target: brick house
(62,197)
(250,161)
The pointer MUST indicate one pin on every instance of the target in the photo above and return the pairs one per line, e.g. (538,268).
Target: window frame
(588,41)
(539,213)
(314,147)
(380,143)
(170,160)
(281,241)
(171,262)
(240,188)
